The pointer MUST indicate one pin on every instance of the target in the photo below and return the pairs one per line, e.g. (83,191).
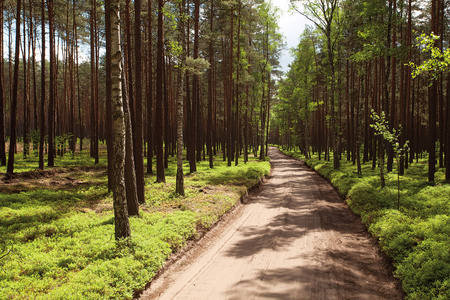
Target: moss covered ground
(57,227)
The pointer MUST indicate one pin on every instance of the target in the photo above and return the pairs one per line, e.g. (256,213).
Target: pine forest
(128,129)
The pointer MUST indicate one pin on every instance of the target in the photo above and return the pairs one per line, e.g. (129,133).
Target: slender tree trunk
(193,139)
(35,106)
(42,114)
(2,94)
(447,136)
(269,88)
(432,94)
(166,110)
(96,92)
(108,104)
(196,86)
(159,126)
(25,89)
(179,189)
(122,226)
(12,144)
(408,87)
(51,105)
(80,122)
(366,113)
(94,83)
(230,97)
(263,119)
(388,69)
(92,89)
(237,123)
(71,89)
(334,129)
(139,108)
(130,172)
(210,129)
(150,143)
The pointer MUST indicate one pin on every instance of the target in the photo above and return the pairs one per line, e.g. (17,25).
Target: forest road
(294,238)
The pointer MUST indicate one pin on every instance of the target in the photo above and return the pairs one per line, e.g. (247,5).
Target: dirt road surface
(293,239)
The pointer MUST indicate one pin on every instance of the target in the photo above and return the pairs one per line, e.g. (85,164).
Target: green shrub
(417,236)
(425,273)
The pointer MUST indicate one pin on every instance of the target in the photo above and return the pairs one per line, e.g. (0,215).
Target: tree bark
(2,95)
(12,144)
(109,108)
(51,104)
(159,126)
(209,135)
(42,114)
(179,189)
(150,92)
(432,94)
(130,172)
(122,226)
(139,109)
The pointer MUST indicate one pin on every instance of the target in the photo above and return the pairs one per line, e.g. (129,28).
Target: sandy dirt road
(293,239)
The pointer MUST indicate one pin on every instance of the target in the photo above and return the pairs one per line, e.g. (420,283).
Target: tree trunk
(130,172)
(109,108)
(237,122)
(150,92)
(42,114)
(51,104)
(2,95)
(138,146)
(122,226)
(12,144)
(334,129)
(209,135)
(230,122)
(179,189)
(386,105)
(159,126)
(25,90)
(196,86)
(432,94)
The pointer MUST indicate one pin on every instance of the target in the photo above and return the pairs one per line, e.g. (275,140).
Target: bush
(416,237)
(425,273)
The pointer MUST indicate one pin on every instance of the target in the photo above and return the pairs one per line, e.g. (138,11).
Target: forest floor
(294,238)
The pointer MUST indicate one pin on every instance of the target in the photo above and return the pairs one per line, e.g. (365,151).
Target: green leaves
(439,60)
(381,126)
(196,66)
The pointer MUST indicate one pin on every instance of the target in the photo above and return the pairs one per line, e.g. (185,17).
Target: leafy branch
(439,60)
(381,127)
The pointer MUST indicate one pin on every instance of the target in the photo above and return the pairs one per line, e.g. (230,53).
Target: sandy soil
(295,238)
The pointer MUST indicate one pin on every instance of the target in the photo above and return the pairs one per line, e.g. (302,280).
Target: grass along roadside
(59,242)
(416,237)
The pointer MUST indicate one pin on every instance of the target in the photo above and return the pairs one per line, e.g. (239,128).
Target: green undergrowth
(416,237)
(58,243)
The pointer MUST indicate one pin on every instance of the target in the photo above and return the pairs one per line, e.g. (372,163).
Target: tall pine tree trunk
(139,108)
(2,95)
(12,144)
(150,92)
(432,94)
(180,100)
(209,135)
(25,89)
(108,104)
(51,105)
(159,126)
(42,104)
